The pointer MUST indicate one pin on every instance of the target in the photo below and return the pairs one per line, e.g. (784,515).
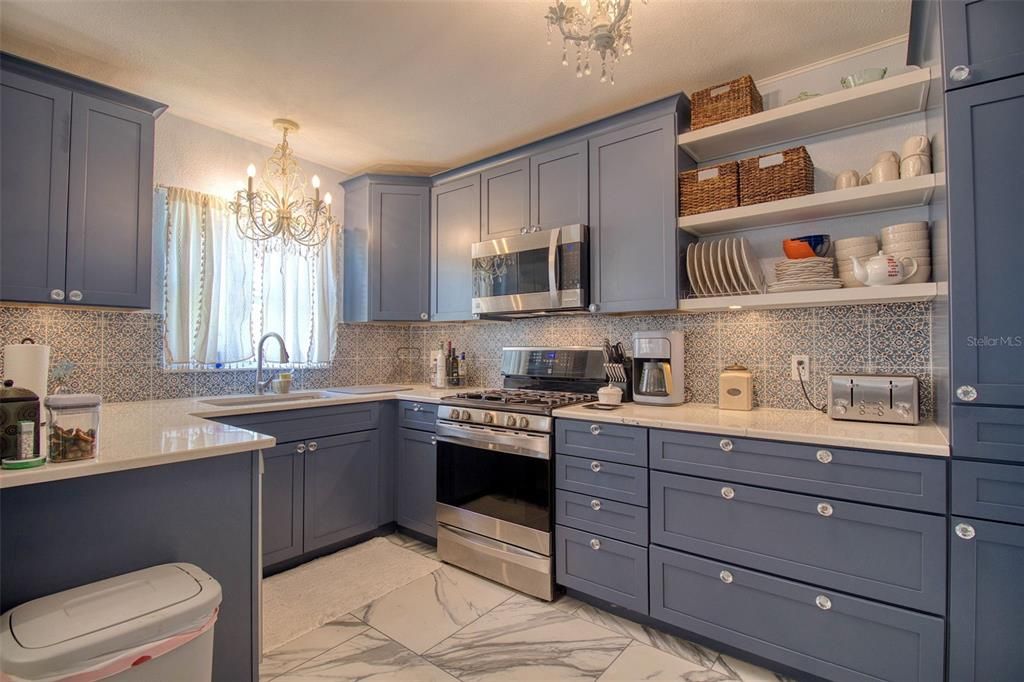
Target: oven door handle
(495,441)
(553,267)
(498,549)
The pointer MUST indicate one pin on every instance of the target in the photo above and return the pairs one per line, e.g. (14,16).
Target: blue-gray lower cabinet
(992,433)
(988,491)
(608,480)
(986,601)
(340,494)
(295,425)
(883,554)
(283,470)
(416,481)
(609,518)
(417,415)
(609,442)
(601,567)
(829,634)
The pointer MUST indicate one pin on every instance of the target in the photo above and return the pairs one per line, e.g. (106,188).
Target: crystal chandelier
(600,26)
(280,208)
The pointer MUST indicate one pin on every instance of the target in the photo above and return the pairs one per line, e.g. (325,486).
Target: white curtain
(222,292)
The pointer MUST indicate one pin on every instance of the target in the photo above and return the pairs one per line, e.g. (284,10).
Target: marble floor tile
(301,649)
(406,542)
(695,653)
(567,604)
(429,609)
(747,672)
(642,662)
(365,657)
(525,640)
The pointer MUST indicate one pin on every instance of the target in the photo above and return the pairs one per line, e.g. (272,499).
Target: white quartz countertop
(153,432)
(796,426)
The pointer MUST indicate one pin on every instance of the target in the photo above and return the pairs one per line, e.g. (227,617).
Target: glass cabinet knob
(726,577)
(824,456)
(965,531)
(725,444)
(424,316)
(595,429)
(960,73)
(728,493)
(595,466)
(823,602)
(75,295)
(313,446)
(593,307)
(825,509)
(57,294)
(595,505)
(967,392)
(595,543)
(300,448)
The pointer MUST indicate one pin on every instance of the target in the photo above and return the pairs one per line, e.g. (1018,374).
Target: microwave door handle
(553,267)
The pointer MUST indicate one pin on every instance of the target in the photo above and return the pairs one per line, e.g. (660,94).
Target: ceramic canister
(736,388)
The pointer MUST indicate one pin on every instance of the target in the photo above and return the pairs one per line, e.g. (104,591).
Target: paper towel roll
(28,365)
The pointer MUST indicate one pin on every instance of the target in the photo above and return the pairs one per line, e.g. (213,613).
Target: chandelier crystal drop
(279,208)
(601,26)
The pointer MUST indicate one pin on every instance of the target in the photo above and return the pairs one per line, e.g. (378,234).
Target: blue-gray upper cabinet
(505,199)
(986,601)
(282,502)
(633,214)
(416,474)
(981,40)
(455,227)
(35,119)
(559,187)
(341,478)
(985,176)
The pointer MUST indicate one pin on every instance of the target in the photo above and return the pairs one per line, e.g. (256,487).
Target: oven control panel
(497,418)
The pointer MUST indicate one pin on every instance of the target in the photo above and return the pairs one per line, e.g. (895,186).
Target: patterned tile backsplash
(118,353)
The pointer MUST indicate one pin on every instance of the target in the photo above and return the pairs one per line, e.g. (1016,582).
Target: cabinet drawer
(610,442)
(601,567)
(417,415)
(845,639)
(606,480)
(995,433)
(885,554)
(873,477)
(988,491)
(291,425)
(605,517)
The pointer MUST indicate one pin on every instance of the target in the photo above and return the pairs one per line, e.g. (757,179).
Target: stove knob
(510,420)
(454,414)
(523,422)
(466,415)
(488,417)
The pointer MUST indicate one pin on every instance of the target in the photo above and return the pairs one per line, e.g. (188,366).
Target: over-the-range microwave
(546,271)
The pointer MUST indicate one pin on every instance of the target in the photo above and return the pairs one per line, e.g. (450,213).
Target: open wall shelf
(895,293)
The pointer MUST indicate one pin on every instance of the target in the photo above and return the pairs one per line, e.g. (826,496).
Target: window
(223,292)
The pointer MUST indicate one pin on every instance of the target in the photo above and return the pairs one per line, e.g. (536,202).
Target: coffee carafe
(658,367)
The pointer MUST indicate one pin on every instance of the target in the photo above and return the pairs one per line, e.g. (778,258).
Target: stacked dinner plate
(804,274)
(726,267)
(913,240)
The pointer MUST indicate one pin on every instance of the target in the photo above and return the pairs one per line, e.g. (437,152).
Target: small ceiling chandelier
(601,26)
(280,207)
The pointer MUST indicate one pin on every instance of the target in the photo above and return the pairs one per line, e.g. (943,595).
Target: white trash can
(153,625)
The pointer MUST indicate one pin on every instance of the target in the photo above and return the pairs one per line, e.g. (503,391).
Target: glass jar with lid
(73,426)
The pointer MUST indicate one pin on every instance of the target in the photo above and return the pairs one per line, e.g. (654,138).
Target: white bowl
(855,241)
(909,240)
(850,282)
(918,226)
(923,274)
(913,253)
(867,250)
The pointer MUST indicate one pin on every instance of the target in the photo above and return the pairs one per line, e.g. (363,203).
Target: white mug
(916,144)
(887,156)
(883,171)
(848,178)
(914,165)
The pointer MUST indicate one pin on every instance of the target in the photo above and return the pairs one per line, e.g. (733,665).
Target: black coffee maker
(17,405)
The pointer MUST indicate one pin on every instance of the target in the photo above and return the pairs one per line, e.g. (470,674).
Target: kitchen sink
(239,400)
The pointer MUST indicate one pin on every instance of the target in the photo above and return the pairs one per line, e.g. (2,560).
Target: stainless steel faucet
(261,385)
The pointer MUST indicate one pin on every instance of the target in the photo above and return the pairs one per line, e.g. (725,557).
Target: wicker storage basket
(709,189)
(724,102)
(780,175)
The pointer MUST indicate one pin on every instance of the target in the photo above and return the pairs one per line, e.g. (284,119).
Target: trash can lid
(52,634)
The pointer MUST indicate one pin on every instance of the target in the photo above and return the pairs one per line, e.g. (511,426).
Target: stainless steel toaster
(874,398)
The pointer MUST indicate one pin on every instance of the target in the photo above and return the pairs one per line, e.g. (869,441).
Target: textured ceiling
(419,85)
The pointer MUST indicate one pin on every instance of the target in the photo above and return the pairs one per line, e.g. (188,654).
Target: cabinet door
(984,36)
(35,119)
(505,199)
(455,227)
(633,204)
(985,177)
(282,502)
(416,471)
(341,476)
(986,600)
(110,204)
(559,192)
(399,252)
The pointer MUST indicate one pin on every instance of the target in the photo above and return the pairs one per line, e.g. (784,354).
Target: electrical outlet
(799,366)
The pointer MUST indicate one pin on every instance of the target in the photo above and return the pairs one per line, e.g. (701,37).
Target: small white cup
(915,165)
(847,179)
(884,171)
(609,395)
(887,156)
(916,144)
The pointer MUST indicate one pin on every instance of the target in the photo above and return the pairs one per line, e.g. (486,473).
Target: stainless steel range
(495,465)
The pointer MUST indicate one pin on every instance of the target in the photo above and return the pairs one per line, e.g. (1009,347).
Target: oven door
(496,483)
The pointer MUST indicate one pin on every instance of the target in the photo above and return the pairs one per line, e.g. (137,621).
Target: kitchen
(764,386)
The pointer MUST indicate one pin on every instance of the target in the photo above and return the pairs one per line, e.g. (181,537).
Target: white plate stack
(854,247)
(910,240)
(804,274)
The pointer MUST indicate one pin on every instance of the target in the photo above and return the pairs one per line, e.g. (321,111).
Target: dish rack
(621,374)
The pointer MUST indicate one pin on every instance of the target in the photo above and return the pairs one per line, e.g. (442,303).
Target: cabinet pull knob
(593,307)
(967,392)
(825,509)
(433,440)
(595,543)
(300,448)
(725,444)
(728,493)
(965,531)
(595,466)
(595,505)
(595,429)
(960,73)
(424,316)
(726,577)
(57,294)
(313,446)
(75,295)
(416,407)
(823,602)
(824,456)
